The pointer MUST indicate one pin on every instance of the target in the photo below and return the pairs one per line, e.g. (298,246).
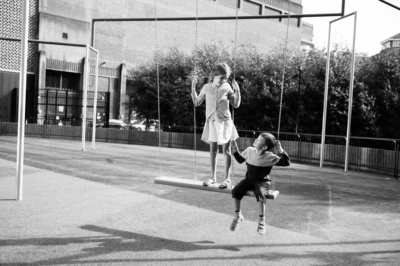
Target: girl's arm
(284,157)
(238,157)
(235,97)
(197,100)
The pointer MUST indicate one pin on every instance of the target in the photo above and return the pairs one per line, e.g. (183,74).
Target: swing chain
(234,49)
(158,86)
(215,23)
(195,75)
(234,76)
(283,82)
(284,70)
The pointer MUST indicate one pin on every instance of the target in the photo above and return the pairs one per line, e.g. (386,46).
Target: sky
(376,22)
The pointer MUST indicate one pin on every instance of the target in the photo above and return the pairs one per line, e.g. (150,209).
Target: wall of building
(52,28)
(8,82)
(134,42)
(10,55)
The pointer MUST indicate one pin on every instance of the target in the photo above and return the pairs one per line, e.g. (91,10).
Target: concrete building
(56,71)
(307,31)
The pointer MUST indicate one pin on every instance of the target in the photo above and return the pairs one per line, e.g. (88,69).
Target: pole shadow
(116,241)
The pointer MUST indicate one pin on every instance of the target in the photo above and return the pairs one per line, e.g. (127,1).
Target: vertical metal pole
(328,58)
(108,95)
(47,106)
(343,7)
(397,161)
(66,106)
(56,107)
(298,100)
(95,102)
(22,99)
(350,108)
(85,87)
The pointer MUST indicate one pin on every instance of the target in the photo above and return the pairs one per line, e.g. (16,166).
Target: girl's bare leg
(226,149)
(213,159)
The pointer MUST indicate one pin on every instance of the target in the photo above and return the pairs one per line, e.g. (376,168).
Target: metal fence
(366,154)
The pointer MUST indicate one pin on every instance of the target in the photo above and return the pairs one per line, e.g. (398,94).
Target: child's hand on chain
(235,86)
(278,147)
(194,82)
(234,146)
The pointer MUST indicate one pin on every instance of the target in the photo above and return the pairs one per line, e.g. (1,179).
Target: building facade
(56,71)
(391,42)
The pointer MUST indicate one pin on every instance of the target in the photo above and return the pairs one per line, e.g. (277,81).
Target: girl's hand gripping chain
(235,86)
(194,82)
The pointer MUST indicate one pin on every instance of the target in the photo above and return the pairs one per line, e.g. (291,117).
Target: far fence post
(169,136)
(299,148)
(396,160)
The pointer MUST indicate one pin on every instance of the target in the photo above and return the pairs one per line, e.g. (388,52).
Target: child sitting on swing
(265,153)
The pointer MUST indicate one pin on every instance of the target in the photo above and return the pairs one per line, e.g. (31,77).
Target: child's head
(220,73)
(265,142)
(221,69)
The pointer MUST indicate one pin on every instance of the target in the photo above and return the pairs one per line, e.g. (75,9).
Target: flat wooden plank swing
(196,184)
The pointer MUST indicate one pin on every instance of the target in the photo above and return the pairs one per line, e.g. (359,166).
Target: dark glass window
(53,79)
(62,80)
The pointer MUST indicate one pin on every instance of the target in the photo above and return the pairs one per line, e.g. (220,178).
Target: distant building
(55,78)
(391,42)
(307,31)
(362,54)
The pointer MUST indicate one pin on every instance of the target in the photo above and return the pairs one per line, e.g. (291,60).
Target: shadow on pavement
(125,241)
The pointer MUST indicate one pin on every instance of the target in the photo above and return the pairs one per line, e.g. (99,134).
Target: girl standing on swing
(218,128)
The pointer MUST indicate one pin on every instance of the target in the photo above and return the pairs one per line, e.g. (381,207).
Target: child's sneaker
(236,221)
(261,226)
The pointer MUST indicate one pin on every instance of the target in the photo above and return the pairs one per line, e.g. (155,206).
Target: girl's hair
(270,140)
(221,69)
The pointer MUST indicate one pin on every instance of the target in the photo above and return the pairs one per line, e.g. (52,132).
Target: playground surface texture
(101,207)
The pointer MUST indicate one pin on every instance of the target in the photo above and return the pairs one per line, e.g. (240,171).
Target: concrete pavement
(94,217)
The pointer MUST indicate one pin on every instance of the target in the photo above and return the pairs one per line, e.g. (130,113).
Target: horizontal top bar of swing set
(348,15)
(219,18)
(48,42)
(390,4)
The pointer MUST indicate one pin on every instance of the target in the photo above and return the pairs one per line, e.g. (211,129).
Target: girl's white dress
(219,126)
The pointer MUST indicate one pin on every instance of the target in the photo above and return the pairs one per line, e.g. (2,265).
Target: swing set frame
(194,184)
(24,40)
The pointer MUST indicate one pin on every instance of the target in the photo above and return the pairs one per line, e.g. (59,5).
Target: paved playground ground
(101,207)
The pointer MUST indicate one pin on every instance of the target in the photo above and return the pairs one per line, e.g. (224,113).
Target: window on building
(65,35)
(53,79)
(272,12)
(230,3)
(251,8)
(386,45)
(396,43)
(62,80)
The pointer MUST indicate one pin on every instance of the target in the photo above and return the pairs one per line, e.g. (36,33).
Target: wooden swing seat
(196,184)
